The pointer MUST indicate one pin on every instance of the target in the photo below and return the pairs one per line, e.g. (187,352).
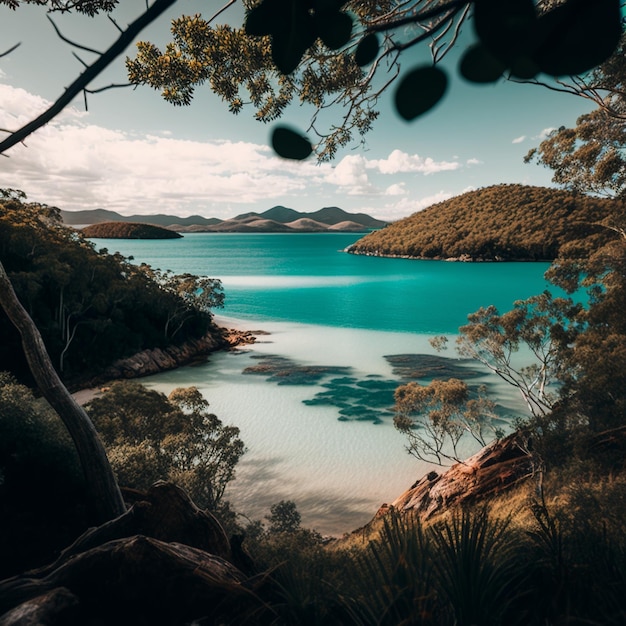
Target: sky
(133,153)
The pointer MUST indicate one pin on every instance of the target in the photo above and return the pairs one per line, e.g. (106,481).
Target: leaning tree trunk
(104,493)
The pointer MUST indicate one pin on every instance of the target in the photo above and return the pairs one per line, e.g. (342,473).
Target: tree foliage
(150,437)
(326,53)
(591,157)
(128,230)
(435,417)
(506,222)
(39,470)
(89,7)
(91,307)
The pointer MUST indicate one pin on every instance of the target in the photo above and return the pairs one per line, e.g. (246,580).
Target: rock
(494,469)
(59,606)
(490,471)
(134,580)
(164,561)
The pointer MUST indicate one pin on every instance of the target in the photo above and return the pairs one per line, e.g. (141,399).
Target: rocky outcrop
(156,360)
(491,471)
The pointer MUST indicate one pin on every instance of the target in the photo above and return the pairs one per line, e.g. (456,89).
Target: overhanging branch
(123,41)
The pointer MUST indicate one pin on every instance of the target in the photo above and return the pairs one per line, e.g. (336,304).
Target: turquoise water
(327,441)
(307,278)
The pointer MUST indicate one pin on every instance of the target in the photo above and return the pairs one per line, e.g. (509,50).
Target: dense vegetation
(128,230)
(507,222)
(90,306)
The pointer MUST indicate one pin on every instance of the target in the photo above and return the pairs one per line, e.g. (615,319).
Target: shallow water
(327,442)
(337,472)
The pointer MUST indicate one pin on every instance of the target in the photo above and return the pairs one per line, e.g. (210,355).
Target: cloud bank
(74,164)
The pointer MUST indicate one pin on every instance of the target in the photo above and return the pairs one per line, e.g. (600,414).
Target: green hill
(503,222)
(128,230)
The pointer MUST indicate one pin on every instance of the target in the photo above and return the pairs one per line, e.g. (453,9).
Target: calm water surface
(307,278)
(323,307)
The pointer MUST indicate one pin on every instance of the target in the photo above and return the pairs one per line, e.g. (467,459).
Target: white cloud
(75,165)
(350,176)
(519,139)
(401,162)
(544,133)
(397,189)
(407,206)
(473,162)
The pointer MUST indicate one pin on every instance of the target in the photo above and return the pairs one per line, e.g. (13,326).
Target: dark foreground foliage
(90,307)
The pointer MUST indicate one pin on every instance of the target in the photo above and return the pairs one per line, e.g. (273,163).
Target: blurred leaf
(367,50)
(505,28)
(290,144)
(479,66)
(290,44)
(419,91)
(265,19)
(524,67)
(333,28)
(578,35)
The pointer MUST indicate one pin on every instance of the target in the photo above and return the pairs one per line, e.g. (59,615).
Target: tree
(435,417)
(150,437)
(542,327)
(284,517)
(317,51)
(105,495)
(195,295)
(591,157)
(594,365)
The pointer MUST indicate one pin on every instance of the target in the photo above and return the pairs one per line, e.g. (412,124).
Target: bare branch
(115,24)
(454,6)
(69,41)
(124,40)
(79,59)
(107,87)
(226,6)
(17,45)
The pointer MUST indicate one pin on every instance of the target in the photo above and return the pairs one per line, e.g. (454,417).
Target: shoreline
(229,334)
(463,258)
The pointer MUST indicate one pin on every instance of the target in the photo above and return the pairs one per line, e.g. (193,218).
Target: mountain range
(276,219)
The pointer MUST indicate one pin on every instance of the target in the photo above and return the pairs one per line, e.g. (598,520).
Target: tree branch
(124,40)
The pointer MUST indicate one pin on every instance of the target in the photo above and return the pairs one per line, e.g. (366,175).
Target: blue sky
(133,153)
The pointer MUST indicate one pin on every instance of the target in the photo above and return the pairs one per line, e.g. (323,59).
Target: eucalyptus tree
(591,157)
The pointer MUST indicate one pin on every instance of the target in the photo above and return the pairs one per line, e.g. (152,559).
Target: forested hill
(128,230)
(503,222)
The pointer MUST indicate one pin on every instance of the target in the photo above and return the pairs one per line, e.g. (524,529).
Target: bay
(308,278)
(312,397)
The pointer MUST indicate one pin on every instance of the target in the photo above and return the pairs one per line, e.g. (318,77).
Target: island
(128,230)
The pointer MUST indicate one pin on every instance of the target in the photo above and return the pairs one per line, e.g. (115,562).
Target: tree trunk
(104,493)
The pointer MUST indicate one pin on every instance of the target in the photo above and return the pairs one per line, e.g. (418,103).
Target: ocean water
(312,396)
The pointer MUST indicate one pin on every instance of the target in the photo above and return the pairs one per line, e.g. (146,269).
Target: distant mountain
(95,216)
(503,222)
(276,219)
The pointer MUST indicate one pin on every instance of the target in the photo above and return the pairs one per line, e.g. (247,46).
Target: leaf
(478,65)
(505,27)
(419,91)
(367,50)
(578,36)
(290,144)
(333,28)
(289,46)
(265,19)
